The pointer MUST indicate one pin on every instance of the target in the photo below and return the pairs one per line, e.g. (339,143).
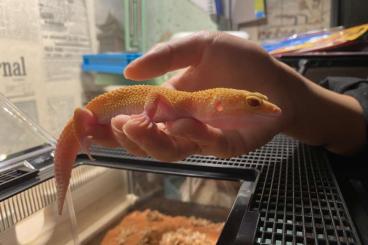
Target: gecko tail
(65,154)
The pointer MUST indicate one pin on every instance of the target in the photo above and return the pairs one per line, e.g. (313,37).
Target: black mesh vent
(297,195)
(15,175)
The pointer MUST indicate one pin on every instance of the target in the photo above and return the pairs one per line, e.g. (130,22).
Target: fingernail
(137,122)
(128,69)
(156,49)
(119,121)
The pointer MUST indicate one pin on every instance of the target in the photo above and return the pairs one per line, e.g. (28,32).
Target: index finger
(168,56)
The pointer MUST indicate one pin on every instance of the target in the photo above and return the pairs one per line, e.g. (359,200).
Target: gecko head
(231,102)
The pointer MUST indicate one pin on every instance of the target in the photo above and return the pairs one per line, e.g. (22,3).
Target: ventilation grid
(297,195)
(26,203)
(13,176)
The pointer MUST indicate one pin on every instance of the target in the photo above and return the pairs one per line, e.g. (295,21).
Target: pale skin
(310,113)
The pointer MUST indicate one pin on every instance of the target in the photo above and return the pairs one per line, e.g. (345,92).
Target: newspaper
(41,43)
(65,37)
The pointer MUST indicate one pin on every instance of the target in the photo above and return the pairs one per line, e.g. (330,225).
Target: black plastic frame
(240,226)
(304,62)
(11,180)
(267,165)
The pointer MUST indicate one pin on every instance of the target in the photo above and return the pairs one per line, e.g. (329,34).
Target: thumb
(193,129)
(117,125)
(211,141)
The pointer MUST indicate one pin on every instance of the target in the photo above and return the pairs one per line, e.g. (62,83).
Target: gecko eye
(253,101)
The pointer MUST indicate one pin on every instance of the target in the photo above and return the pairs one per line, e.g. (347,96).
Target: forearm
(322,117)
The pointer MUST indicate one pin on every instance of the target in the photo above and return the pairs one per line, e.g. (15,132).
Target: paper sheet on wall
(41,43)
(287,17)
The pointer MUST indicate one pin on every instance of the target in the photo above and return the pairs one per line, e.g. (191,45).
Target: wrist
(349,137)
(290,91)
(318,116)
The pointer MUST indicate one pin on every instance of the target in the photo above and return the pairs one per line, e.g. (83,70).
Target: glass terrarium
(116,199)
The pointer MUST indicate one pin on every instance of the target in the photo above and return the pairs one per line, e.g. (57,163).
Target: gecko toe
(86,146)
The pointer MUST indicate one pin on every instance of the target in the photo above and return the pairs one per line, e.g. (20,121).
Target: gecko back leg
(84,122)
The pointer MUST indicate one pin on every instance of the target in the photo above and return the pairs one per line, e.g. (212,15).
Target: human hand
(211,60)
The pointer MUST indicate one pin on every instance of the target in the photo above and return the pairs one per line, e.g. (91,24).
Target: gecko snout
(270,109)
(262,105)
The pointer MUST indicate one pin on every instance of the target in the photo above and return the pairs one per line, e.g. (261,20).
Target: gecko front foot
(157,108)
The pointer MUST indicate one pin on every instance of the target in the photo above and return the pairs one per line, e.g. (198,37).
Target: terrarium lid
(19,135)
